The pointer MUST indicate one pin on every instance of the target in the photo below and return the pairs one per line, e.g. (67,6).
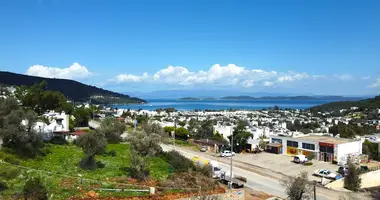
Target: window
(292,143)
(275,140)
(308,146)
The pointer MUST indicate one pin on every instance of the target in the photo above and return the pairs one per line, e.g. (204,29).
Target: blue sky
(314,47)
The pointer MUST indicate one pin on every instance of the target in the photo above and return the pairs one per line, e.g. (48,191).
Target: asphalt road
(255,181)
(267,184)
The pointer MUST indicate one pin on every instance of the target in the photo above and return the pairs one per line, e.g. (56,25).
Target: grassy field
(63,178)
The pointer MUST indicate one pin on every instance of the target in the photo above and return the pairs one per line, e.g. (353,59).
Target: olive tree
(145,144)
(352,181)
(93,143)
(297,188)
(16,129)
(112,129)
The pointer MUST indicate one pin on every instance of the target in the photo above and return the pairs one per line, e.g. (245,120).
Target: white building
(325,148)
(224,130)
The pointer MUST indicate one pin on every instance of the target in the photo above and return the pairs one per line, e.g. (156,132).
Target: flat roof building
(324,148)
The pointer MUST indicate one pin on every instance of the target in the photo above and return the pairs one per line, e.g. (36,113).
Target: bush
(112,153)
(145,144)
(9,173)
(58,140)
(205,170)
(179,162)
(3,186)
(99,164)
(308,164)
(88,163)
(35,190)
(11,160)
(138,168)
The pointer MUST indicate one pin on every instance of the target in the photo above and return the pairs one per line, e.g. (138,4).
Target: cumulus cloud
(217,75)
(375,84)
(75,71)
(344,77)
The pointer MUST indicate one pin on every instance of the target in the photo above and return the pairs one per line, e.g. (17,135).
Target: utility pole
(315,193)
(232,147)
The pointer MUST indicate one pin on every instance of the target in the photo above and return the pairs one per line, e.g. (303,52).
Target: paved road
(255,181)
(267,184)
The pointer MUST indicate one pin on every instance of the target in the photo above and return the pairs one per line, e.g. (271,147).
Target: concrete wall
(348,148)
(237,194)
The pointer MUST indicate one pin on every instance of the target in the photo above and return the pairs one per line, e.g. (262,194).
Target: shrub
(11,160)
(3,186)
(112,153)
(88,163)
(205,170)
(179,162)
(138,168)
(352,180)
(58,140)
(145,144)
(189,180)
(99,164)
(308,164)
(35,190)
(9,173)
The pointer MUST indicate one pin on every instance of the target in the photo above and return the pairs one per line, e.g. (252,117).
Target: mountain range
(73,90)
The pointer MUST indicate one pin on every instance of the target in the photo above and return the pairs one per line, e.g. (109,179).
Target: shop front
(326,152)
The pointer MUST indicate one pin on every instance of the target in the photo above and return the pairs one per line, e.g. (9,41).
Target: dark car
(343,170)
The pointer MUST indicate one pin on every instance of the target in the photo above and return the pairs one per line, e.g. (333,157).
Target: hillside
(74,90)
(335,98)
(365,104)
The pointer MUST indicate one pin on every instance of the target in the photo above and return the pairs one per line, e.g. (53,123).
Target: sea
(188,105)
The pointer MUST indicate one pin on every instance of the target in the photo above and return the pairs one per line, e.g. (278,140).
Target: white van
(300,159)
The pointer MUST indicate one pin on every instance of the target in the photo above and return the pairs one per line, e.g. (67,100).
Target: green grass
(62,161)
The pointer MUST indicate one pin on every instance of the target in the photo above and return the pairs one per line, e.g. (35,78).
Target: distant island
(337,98)
(73,90)
(195,99)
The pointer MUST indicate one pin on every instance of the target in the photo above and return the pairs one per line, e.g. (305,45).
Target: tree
(297,188)
(193,126)
(93,143)
(112,129)
(153,128)
(241,136)
(182,132)
(35,190)
(82,116)
(218,137)
(145,144)
(182,123)
(169,129)
(16,129)
(40,100)
(138,168)
(276,107)
(206,129)
(352,181)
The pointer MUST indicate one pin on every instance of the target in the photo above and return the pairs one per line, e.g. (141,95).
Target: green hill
(365,104)
(74,90)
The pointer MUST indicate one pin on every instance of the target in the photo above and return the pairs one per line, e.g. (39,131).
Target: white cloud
(365,77)
(75,71)
(130,78)
(344,77)
(375,84)
(217,75)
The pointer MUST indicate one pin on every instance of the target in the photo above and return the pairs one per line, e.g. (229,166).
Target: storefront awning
(274,145)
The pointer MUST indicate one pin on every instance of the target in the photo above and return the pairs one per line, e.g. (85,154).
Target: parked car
(300,159)
(343,170)
(325,173)
(227,153)
(203,149)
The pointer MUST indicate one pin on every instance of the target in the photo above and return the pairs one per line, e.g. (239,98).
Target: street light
(232,147)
